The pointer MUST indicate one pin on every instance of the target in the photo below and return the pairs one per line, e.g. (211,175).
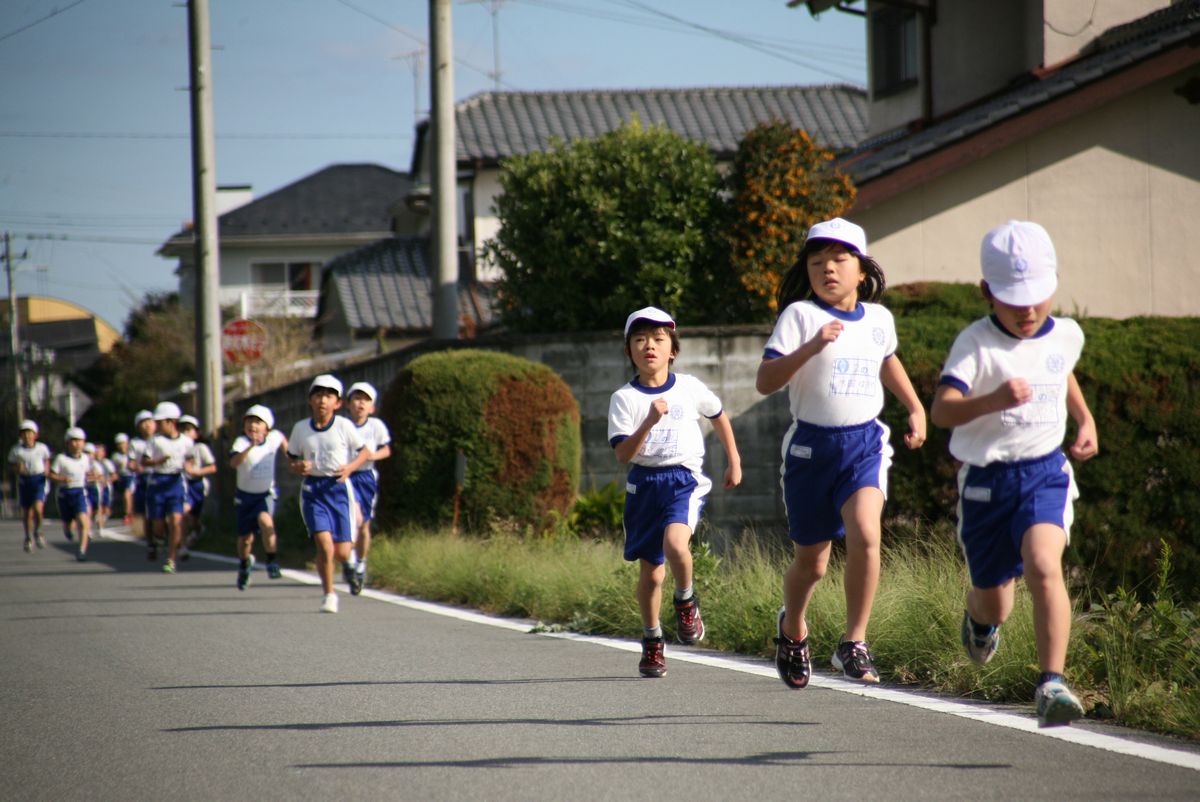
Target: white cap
(89,448)
(145,414)
(842,231)
(362,387)
(651,313)
(328,381)
(121,438)
(167,410)
(188,420)
(1019,263)
(262,413)
(28,425)
(75,433)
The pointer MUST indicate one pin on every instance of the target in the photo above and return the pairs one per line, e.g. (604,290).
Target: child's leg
(245,546)
(679,556)
(990,605)
(649,592)
(809,564)
(1042,551)
(324,543)
(27,519)
(174,532)
(861,514)
(84,531)
(266,526)
(363,546)
(38,514)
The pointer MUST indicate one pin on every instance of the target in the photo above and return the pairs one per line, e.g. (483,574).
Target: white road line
(986,715)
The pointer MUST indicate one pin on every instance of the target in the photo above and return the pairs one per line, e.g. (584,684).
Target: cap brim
(1025,293)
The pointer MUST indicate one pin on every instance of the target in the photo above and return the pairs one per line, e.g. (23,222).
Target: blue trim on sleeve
(956,383)
(889,356)
(720,412)
(617,439)
(771,353)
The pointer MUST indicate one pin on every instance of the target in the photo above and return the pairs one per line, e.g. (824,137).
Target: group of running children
(1006,390)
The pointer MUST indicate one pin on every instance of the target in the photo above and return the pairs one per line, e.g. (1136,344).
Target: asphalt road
(122,683)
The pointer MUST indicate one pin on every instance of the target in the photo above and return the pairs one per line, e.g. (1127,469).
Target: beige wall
(1069,25)
(484,191)
(1118,189)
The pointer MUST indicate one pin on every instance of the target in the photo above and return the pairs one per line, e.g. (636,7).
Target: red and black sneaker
(689,626)
(653,663)
(791,658)
(854,659)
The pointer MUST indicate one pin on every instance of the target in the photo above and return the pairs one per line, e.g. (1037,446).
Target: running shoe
(81,556)
(689,626)
(28,546)
(273,571)
(41,541)
(980,648)
(329,604)
(360,577)
(356,582)
(348,576)
(244,572)
(853,658)
(1056,705)
(169,567)
(791,658)
(653,664)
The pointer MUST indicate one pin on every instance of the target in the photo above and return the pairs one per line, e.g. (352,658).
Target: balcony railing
(268,302)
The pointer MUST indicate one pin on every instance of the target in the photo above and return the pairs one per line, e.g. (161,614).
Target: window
(295,276)
(893,50)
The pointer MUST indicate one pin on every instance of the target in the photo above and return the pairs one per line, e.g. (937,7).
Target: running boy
(31,460)
(143,426)
(360,401)
(168,455)
(1006,390)
(123,480)
(73,470)
(834,348)
(253,457)
(325,449)
(203,465)
(654,423)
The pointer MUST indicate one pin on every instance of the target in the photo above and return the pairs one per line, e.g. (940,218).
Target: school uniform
(835,445)
(255,493)
(666,483)
(31,467)
(197,486)
(72,494)
(326,502)
(139,481)
(95,486)
(1014,473)
(166,488)
(365,480)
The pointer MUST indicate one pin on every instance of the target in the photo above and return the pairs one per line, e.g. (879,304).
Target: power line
(82,238)
(170,135)
(53,13)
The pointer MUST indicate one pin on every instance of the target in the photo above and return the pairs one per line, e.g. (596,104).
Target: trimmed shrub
(516,423)
(1141,378)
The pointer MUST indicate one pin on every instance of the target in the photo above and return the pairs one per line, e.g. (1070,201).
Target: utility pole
(14,342)
(445,177)
(209,374)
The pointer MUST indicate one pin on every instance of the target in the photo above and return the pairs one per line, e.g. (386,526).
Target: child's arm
(384,452)
(628,448)
(951,408)
(774,373)
(895,379)
(1086,444)
(353,465)
(724,430)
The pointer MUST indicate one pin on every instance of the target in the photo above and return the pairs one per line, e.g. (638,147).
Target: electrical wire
(147,135)
(53,13)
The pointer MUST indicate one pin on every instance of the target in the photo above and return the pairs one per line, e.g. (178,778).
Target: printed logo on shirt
(676,412)
(661,443)
(877,335)
(800,452)
(854,376)
(983,494)
(1041,410)
(1055,363)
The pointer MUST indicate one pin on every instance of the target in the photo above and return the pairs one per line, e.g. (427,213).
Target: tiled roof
(1114,50)
(340,199)
(387,285)
(495,125)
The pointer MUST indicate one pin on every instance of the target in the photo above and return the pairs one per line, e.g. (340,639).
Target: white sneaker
(329,604)
(1056,705)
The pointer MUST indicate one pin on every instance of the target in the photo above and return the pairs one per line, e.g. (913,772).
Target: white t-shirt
(327,449)
(137,449)
(983,357)
(256,473)
(676,439)
(76,469)
(839,386)
(176,449)
(202,455)
(30,461)
(121,463)
(375,436)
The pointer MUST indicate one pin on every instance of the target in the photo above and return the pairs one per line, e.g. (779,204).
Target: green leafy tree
(781,185)
(594,229)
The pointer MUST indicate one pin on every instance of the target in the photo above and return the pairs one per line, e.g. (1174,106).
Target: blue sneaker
(1056,705)
(980,648)
(273,571)
(244,571)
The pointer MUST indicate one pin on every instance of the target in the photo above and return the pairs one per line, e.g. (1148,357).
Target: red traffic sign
(243,341)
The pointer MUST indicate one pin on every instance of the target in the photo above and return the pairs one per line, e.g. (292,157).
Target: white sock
(362,566)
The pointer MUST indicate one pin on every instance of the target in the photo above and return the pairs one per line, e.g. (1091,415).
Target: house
(273,249)
(383,292)
(493,126)
(1082,116)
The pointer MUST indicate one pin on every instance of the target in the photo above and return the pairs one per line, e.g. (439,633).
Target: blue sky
(94,156)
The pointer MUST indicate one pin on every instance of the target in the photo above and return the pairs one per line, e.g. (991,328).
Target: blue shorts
(31,489)
(366,487)
(72,502)
(247,509)
(93,495)
(165,495)
(327,504)
(106,496)
(998,503)
(195,496)
(139,494)
(654,498)
(122,483)
(823,466)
